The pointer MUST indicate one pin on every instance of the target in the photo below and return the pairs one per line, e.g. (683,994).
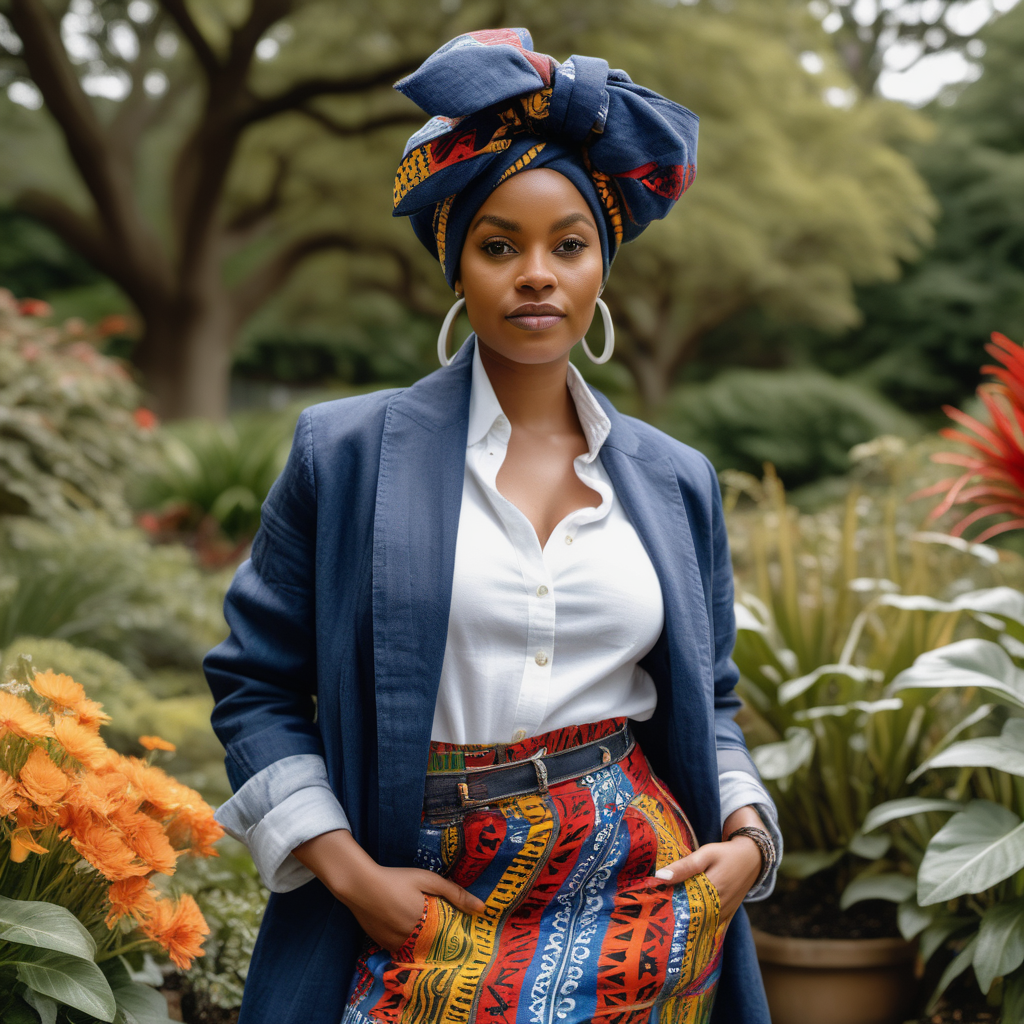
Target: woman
(509,602)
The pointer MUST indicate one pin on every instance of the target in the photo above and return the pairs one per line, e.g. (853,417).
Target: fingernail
(664,873)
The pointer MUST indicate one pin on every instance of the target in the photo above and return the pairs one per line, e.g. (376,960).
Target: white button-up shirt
(538,639)
(543,638)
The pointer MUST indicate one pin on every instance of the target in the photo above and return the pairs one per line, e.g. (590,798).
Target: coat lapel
(416,522)
(683,728)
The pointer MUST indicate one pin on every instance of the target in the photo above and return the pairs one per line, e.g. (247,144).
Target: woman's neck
(534,396)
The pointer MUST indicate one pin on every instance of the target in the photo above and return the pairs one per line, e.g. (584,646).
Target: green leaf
(1000,943)
(792,688)
(804,864)
(870,847)
(912,919)
(1013,998)
(956,967)
(1004,752)
(140,1004)
(974,850)
(891,810)
(980,663)
(892,887)
(934,937)
(972,719)
(781,759)
(45,925)
(19,1012)
(43,1005)
(1005,602)
(74,982)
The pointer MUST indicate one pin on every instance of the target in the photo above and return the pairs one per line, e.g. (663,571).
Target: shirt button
(542,590)
(541,658)
(568,539)
(519,734)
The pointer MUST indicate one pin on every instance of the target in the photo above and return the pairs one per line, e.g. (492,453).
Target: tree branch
(410,117)
(301,93)
(248,296)
(251,216)
(208,60)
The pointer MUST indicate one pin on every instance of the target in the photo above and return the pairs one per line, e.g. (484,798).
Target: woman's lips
(535,321)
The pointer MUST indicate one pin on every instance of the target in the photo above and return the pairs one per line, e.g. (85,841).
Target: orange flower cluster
(62,790)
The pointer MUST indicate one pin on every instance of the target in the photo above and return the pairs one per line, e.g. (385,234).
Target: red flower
(145,418)
(34,307)
(993,471)
(113,324)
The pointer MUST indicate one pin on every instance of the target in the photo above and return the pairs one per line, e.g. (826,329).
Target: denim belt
(469,788)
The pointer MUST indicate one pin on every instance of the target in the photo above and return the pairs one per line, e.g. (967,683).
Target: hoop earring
(609,336)
(446,332)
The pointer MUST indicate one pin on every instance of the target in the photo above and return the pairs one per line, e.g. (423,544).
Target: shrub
(71,425)
(803,422)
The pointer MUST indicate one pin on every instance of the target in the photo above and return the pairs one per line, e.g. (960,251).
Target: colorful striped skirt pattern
(576,928)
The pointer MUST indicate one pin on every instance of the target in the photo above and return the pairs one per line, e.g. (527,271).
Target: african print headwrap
(498,107)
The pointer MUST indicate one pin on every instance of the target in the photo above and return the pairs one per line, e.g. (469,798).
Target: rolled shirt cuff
(741,789)
(279,808)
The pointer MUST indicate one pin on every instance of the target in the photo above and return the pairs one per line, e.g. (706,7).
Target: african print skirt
(576,928)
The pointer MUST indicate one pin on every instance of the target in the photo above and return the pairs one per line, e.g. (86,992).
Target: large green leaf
(891,810)
(43,1005)
(1000,948)
(140,1004)
(976,716)
(980,663)
(45,925)
(892,887)
(955,968)
(974,850)
(1005,602)
(69,980)
(912,919)
(781,759)
(803,864)
(1004,752)
(792,688)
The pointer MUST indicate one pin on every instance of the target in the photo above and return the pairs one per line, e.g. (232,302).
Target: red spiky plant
(993,469)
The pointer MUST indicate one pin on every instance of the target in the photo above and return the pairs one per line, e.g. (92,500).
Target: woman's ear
(458,289)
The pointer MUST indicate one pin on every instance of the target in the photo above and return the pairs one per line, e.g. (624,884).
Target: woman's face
(531,268)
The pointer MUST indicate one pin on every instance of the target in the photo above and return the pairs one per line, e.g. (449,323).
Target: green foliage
(803,422)
(923,337)
(67,431)
(831,608)
(34,262)
(218,470)
(107,588)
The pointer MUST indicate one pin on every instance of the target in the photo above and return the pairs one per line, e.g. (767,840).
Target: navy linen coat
(346,598)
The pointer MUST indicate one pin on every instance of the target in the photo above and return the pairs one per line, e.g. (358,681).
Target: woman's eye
(572,245)
(497,248)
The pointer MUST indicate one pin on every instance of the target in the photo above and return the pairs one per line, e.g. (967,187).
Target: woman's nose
(536,271)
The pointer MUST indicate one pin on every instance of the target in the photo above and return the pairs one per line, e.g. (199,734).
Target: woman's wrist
(339,862)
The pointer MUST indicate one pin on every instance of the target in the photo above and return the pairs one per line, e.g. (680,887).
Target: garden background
(196,243)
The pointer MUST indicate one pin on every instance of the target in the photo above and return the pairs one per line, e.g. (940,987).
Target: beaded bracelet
(764,844)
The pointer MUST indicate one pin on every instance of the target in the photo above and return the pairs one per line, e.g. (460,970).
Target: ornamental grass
(88,829)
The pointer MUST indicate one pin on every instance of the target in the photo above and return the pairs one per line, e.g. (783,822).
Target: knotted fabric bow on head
(497,107)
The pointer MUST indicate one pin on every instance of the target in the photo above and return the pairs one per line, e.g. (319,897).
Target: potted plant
(817,647)
(967,843)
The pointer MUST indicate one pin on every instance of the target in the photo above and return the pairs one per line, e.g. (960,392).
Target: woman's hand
(732,866)
(387,902)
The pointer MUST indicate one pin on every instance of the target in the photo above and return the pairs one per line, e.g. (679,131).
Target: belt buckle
(541,769)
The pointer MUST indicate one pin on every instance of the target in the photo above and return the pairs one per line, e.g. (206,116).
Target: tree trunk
(186,360)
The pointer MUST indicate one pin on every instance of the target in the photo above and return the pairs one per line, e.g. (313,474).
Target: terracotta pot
(837,981)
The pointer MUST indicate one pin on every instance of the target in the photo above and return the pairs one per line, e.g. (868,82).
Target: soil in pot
(824,965)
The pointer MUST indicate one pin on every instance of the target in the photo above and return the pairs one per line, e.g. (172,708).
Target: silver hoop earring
(446,331)
(609,336)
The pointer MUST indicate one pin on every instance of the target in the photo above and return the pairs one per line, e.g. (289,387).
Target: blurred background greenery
(196,242)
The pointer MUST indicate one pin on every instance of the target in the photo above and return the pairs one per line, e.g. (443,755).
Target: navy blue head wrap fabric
(497,107)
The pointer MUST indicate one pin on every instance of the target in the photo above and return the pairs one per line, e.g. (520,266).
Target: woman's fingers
(687,867)
(458,897)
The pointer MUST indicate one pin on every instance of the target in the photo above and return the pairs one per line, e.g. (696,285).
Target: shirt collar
(485,410)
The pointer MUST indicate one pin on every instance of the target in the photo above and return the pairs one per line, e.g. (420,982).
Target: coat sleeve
(738,780)
(263,678)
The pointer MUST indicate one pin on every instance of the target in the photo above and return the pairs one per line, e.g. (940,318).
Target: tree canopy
(206,155)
